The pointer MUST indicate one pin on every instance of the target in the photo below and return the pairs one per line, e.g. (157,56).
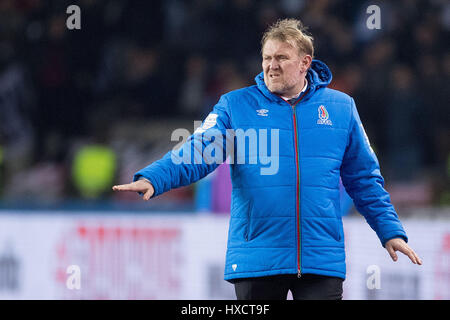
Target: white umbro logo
(262,112)
(234,266)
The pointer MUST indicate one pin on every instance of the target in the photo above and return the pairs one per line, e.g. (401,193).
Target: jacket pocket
(338,228)
(248,226)
(338,221)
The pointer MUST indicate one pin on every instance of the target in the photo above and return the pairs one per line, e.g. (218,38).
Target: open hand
(142,185)
(398,244)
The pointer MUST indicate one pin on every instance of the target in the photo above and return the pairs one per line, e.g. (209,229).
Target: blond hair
(291,31)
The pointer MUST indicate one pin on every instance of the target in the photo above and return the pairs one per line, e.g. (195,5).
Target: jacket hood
(318,76)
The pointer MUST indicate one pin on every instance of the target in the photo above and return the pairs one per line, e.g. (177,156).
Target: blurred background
(81,110)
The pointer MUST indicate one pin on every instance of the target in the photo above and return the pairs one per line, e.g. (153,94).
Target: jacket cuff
(393,235)
(139,176)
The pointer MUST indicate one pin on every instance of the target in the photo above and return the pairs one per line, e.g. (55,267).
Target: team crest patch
(324,116)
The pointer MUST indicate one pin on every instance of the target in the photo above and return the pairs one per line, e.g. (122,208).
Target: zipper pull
(299,273)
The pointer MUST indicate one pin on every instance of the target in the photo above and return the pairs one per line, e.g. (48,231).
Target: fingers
(406,250)
(148,194)
(411,255)
(418,259)
(126,187)
(415,256)
(137,186)
(392,253)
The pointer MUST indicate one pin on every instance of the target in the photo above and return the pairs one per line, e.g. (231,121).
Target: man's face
(284,70)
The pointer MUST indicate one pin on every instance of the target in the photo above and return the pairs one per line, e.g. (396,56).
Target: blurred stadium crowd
(83,109)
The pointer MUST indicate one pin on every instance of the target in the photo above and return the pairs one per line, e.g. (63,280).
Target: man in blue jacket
(285,228)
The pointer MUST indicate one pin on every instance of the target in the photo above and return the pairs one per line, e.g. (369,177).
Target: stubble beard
(279,88)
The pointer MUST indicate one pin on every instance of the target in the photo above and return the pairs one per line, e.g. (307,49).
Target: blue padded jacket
(288,221)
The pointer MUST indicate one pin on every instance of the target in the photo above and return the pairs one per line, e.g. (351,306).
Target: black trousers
(307,287)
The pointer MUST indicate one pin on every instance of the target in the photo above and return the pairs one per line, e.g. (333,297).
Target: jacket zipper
(297,162)
(299,271)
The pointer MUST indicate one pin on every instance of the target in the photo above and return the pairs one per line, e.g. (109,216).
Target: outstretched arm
(188,163)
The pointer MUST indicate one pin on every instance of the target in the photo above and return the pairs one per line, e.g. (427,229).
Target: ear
(305,63)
